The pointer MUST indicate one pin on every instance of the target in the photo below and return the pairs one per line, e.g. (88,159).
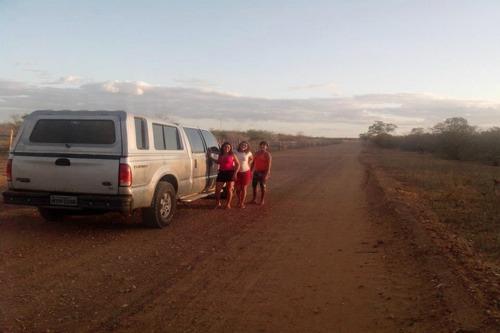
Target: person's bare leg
(218,189)
(229,186)
(237,190)
(239,194)
(243,196)
(254,197)
(262,193)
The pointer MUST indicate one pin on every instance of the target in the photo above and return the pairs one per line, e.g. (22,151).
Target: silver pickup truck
(75,162)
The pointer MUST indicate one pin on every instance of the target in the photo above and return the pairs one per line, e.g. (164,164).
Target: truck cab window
(166,137)
(210,140)
(171,135)
(195,140)
(141,133)
(158,137)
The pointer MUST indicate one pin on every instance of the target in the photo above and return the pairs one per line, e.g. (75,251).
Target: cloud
(195,83)
(203,85)
(135,88)
(328,87)
(337,116)
(66,80)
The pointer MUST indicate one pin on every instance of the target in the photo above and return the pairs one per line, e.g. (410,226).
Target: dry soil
(322,255)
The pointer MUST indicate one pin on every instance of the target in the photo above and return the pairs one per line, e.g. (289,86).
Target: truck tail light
(125,175)
(8,170)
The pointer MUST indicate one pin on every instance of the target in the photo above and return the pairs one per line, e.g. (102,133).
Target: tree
(379,127)
(454,137)
(457,125)
(417,131)
(379,133)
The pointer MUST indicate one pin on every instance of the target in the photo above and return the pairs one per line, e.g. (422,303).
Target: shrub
(452,139)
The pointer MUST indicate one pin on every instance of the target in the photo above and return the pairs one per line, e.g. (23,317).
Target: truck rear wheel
(163,207)
(51,214)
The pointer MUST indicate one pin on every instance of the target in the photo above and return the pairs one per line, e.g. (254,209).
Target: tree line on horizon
(453,139)
(276,141)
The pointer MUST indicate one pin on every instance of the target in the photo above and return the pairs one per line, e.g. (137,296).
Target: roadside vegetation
(453,167)
(453,139)
(276,141)
(6,129)
(461,194)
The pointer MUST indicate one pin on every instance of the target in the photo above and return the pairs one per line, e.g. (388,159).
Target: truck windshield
(76,131)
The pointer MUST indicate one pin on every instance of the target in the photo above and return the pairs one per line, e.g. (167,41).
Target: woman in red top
(228,169)
(261,168)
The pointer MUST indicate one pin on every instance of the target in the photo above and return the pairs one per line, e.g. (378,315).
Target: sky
(323,68)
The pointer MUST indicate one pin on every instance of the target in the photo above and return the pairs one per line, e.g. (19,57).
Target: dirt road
(313,260)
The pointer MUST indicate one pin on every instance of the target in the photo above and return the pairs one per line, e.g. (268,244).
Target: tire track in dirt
(292,277)
(90,248)
(284,181)
(308,261)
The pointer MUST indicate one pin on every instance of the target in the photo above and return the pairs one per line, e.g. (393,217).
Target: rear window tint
(95,132)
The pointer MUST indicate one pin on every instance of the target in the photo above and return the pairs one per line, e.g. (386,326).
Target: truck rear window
(95,132)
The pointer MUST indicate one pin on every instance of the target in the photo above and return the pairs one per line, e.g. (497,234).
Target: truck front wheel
(163,207)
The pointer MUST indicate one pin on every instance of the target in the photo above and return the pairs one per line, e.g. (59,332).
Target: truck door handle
(63,162)
(195,163)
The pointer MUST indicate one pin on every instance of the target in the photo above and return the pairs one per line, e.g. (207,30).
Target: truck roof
(120,113)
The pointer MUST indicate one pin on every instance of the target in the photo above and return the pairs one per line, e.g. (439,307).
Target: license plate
(63,200)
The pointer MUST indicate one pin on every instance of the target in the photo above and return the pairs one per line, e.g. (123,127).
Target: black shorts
(225,176)
(259,178)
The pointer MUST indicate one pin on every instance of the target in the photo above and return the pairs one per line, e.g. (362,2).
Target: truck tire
(163,207)
(51,214)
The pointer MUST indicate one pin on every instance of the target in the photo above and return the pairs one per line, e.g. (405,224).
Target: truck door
(198,159)
(212,167)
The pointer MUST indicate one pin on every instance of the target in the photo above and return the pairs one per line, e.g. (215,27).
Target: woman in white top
(244,175)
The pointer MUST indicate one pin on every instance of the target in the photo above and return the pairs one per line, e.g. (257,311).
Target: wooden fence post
(11,138)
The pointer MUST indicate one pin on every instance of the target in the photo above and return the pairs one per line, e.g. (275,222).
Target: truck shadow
(205,203)
(28,219)
(109,221)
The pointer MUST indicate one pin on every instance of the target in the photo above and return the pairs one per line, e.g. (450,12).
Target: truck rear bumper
(96,202)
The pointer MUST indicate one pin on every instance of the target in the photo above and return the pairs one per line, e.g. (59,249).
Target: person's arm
(209,155)
(268,172)
(252,164)
(236,166)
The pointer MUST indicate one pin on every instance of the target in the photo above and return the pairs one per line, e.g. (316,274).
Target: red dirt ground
(326,254)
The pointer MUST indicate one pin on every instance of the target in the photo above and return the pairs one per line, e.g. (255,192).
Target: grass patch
(462,194)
